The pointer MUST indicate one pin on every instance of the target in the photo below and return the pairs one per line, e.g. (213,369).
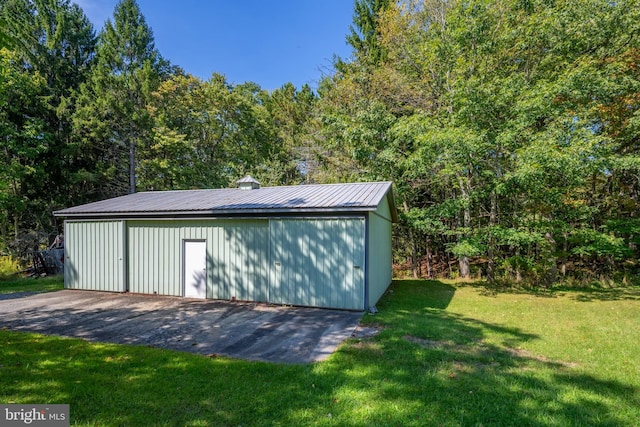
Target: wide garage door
(317,262)
(94,255)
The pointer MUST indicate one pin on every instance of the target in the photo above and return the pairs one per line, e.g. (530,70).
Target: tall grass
(9,267)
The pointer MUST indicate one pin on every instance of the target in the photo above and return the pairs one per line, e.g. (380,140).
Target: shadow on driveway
(242,330)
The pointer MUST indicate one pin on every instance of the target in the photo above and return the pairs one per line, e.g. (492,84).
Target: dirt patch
(369,347)
(471,367)
(367,331)
(480,348)
(422,342)
(518,352)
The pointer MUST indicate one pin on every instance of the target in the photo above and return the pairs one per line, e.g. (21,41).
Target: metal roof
(315,198)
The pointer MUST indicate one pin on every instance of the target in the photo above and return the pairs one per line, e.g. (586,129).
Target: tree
(53,44)
(206,134)
(503,125)
(113,121)
(5,39)
(293,157)
(25,138)
(364,34)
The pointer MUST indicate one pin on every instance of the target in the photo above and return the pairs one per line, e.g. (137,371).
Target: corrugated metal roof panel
(325,198)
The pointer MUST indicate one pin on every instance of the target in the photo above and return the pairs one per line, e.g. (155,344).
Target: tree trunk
(463,261)
(517,266)
(565,252)
(551,260)
(132,166)
(493,215)
(429,267)
(414,255)
(414,250)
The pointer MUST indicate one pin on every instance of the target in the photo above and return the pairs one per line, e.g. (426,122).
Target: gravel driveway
(242,330)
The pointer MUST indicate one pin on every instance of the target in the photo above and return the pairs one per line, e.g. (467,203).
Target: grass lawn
(42,284)
(450,355)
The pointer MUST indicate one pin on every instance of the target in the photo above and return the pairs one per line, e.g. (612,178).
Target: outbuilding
(323,245)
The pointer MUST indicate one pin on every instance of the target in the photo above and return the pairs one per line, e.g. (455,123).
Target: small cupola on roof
(248,183)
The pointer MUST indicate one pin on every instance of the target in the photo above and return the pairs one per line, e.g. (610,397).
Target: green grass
(450,355)
(29,284)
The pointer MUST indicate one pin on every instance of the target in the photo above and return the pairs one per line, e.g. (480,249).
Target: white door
(195,268)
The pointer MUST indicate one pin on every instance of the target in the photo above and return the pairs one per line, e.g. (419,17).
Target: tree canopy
(511,129)
(493,119)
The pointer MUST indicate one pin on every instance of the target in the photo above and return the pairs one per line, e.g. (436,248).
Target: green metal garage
(309,245)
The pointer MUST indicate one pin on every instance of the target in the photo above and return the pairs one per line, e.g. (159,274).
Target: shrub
(8,267)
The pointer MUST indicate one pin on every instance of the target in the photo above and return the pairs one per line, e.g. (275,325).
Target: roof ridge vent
(248,183)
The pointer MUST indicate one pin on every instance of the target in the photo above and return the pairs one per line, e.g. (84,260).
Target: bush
(9,267)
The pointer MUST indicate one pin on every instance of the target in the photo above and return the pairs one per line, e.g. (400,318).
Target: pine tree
(52,46)
(364,34)
(113,121)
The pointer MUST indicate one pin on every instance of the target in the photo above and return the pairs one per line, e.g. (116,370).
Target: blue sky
(269,42)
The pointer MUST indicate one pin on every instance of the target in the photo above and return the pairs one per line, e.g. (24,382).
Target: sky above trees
(266,42)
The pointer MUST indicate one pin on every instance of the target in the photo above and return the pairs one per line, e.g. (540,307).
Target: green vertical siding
(237,252)
(317,262)
(244,261)
(94,255)
(154,264)
(311,262)
(380,257)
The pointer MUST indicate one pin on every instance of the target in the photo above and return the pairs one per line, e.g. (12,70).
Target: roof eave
(214,213)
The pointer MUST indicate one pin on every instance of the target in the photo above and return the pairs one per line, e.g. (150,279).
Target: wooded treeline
(511,129)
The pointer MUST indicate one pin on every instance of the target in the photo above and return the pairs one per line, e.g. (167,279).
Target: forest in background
(511,129)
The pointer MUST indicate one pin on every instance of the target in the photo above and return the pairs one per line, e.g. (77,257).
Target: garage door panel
(154,258)
(94,255)
(312,262)
(242,257)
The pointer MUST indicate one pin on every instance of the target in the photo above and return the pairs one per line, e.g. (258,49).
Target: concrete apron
(242,330)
